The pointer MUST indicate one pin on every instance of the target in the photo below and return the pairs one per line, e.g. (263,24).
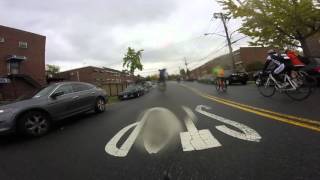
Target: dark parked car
(35,114)
(131,92)
(313,69)
(238,77)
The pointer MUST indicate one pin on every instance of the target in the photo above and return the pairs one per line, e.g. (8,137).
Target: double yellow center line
(290,119)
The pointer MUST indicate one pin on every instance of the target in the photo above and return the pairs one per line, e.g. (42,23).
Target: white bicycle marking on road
(111,147)
(153,142)
(159,125)
(247,134)
(196,139)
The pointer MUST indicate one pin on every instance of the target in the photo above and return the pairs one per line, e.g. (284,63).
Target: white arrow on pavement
(246,133)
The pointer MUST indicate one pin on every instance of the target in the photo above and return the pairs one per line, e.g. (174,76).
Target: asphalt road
(253,144)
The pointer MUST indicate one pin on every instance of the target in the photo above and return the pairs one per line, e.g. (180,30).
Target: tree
(132,60)
(182,72)
(278,23)
(52,70)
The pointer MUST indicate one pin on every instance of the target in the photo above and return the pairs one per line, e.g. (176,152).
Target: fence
(114,89)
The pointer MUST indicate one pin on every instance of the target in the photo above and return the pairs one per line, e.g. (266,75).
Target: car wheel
(244,82)
(34,123)
(100,105)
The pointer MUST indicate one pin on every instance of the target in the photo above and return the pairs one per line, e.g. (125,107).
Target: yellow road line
(262,112)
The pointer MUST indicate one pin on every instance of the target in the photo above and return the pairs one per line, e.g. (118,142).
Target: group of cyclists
(276,63)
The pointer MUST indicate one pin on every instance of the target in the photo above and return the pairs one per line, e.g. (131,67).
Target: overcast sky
(98,32)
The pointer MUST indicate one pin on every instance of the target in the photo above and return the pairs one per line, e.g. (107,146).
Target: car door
(61,106)
(85,94)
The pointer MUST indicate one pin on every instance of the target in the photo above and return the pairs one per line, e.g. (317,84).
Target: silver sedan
(34,115)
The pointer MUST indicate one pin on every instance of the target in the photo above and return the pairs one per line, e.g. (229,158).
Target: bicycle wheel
(266,87)
(224,86)
(217,85)
(302,92)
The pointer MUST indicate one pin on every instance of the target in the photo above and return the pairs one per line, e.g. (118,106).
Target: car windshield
(130,88)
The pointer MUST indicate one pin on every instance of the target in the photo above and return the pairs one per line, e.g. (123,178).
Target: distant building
(22,62)
(245,58)
(113,81)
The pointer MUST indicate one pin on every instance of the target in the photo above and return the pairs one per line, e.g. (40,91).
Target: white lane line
(194,139)
(246,133)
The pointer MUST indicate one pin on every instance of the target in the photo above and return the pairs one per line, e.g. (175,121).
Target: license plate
(125,96)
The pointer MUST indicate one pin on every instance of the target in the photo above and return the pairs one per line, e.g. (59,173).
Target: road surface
(203,135)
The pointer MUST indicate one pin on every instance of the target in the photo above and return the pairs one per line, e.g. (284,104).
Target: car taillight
(317,69)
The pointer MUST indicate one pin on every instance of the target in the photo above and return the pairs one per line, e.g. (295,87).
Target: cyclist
(276,60)
(162,75)
(162,78)
(295,62)
(218,73)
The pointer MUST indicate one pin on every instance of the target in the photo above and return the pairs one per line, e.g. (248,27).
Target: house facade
(22,62)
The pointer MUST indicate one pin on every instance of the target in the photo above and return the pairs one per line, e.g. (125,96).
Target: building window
(1,39)
(23,44)
(14,67)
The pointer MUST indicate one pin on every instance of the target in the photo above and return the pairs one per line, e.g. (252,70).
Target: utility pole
(186,64)
(223,18)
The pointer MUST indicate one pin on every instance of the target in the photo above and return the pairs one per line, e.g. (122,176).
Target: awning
(15,58)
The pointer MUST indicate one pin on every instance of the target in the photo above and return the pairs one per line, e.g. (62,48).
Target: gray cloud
(97,32)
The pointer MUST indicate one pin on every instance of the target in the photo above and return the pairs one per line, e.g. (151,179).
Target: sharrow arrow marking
(246,133)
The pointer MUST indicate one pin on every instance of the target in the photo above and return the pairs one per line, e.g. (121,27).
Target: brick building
(22,62)
(244,57)
(113,81)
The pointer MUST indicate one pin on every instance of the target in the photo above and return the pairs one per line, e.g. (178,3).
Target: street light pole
(223,18)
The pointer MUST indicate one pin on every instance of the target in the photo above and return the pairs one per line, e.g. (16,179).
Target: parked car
(131,91)
(313,69)
(35,114)
(238,77)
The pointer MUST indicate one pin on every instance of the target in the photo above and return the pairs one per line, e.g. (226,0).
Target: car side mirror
(56,94)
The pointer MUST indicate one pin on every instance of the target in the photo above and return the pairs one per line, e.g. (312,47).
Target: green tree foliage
(52,70)
(182,72)
(278,23)
(132,60)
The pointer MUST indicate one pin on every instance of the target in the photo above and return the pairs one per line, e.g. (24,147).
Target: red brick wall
(15,89)
(94,75)
(251,54)
(34,66)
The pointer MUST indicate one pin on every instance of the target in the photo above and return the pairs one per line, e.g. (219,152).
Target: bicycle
(297,89)
(221,84)
(299,72)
